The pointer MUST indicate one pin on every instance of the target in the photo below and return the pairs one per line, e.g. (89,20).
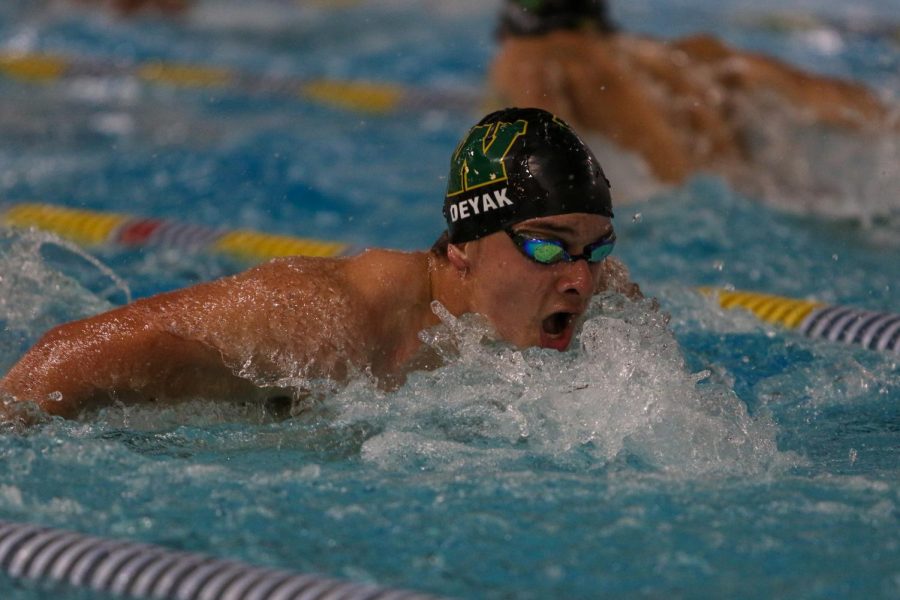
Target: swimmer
(529,233)
(676,104)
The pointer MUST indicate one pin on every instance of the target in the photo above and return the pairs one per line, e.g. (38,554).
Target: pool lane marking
(354,96)
(33,67)
(93,228)
(139,570)
(872,330)
(252,243)
(185,75)
(82,227)
(778,310)
(377,98)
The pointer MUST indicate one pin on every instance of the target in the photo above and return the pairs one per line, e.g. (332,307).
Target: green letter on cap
(478,160)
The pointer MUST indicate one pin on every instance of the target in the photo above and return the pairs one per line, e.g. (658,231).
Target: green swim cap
(517,164)
(535,17)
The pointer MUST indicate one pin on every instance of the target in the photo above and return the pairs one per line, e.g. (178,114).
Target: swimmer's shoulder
(387,275)
(370,262)
(387,261)
(373,275)
(365,273)
(295,271)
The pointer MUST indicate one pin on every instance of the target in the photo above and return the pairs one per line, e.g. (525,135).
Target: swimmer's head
(536,17)
(518,164)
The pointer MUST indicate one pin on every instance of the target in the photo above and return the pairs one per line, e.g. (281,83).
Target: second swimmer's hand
(614,277)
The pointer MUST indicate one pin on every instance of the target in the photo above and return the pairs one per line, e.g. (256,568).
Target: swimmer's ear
(457,256)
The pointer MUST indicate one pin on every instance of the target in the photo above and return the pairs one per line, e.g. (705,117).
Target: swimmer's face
(533,304)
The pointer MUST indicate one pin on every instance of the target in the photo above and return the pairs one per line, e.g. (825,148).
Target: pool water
(686,452)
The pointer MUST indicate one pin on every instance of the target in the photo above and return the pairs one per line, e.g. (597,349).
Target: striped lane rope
(377,98)
(183,235)
(135,570)
(872,330)
(92,228)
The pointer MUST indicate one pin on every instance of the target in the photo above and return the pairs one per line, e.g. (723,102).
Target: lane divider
(92,228)
(357,96)
(869,329)
(134,570)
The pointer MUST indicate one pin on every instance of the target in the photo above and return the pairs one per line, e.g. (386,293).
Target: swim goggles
(549,252)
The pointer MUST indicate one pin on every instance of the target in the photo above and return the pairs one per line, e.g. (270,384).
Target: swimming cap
(536,17)
(518,164)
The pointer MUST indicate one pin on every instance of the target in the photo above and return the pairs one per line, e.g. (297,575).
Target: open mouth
(557,330)
(557,323)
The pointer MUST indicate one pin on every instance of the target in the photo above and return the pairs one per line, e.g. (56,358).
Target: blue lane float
(135,570)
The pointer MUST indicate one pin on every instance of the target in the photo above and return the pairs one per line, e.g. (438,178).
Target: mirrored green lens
(600,252)
(544,252)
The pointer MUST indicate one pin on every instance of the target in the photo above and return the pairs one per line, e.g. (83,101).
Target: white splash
(623,396)
(35,295)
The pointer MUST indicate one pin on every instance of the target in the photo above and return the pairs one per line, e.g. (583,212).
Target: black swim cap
(518,164)
(536,17)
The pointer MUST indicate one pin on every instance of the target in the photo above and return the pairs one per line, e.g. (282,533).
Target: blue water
(688,453)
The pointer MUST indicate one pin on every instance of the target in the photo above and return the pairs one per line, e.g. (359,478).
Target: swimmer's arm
(826,99)
(120,355)
(267,324)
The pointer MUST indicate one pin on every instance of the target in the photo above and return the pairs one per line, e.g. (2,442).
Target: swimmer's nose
(576,278)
